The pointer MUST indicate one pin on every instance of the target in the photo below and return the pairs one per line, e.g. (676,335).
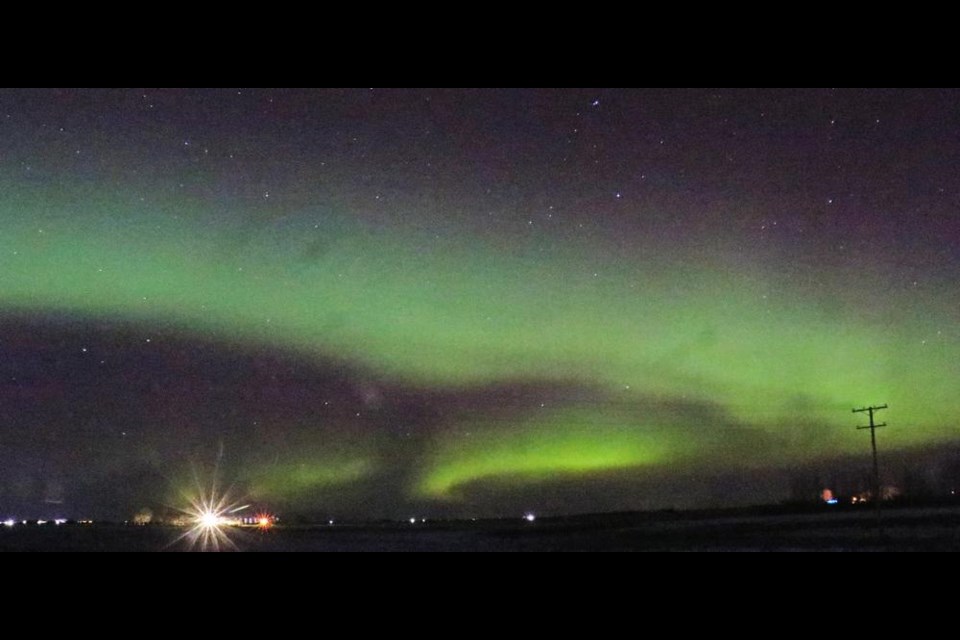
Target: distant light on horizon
(206,520)
(209,519)
(529,517)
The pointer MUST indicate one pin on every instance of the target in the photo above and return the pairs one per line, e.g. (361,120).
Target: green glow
(295,479)
(567,442)
(702,326)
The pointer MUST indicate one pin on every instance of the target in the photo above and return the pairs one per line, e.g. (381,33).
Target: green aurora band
(567,442)
(700,324)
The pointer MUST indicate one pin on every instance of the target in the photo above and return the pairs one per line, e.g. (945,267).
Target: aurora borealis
(374,302)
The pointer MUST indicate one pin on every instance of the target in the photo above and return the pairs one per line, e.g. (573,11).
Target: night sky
(380,303)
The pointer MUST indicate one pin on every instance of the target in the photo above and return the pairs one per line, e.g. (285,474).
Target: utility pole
(877,496)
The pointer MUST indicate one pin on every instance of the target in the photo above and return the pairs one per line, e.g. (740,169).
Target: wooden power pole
(877,495)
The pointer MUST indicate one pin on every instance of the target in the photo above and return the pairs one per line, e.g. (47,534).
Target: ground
(930,528)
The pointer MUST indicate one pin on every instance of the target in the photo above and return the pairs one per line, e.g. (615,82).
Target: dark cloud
(106,417)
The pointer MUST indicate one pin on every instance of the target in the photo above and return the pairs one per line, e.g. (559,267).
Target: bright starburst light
(209,518)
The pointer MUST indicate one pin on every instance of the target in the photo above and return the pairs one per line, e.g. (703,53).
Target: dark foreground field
(905,529)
